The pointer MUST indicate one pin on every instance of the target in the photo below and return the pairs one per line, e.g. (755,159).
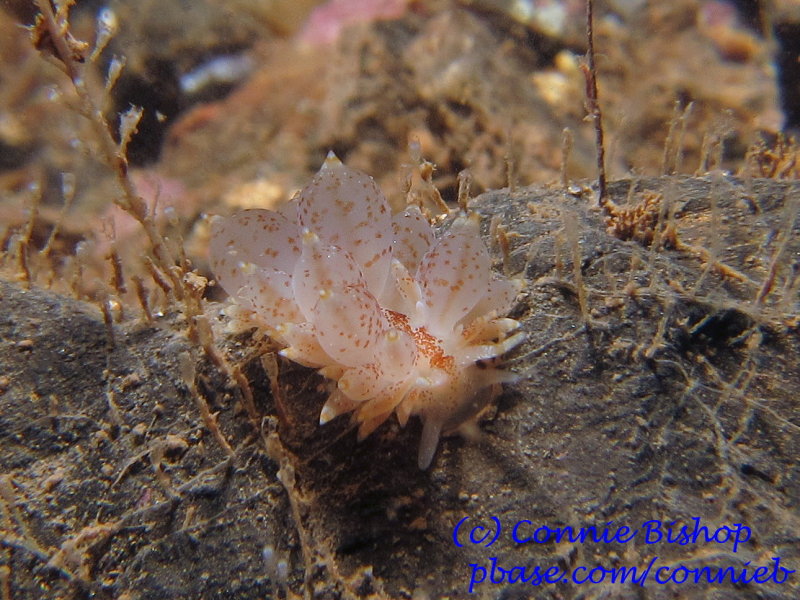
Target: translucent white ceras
(403,321)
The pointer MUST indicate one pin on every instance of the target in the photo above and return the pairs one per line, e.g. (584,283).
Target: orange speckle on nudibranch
(399,318)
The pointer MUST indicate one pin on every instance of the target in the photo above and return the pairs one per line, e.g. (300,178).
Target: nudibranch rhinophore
(400,319)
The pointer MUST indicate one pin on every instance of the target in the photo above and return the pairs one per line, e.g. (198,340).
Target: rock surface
(662,385)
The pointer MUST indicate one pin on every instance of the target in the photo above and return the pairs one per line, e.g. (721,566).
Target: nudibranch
(403,321)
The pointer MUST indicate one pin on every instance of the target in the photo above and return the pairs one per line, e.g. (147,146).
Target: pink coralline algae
(403,322)
(327,21)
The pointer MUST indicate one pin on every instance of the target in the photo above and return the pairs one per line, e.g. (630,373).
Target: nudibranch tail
(404,322)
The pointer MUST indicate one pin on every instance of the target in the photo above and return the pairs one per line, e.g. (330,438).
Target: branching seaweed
(52,36)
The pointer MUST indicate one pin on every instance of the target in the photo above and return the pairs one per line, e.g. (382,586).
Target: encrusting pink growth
(401,320)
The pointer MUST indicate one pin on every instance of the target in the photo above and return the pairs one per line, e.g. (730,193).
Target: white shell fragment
(398,318)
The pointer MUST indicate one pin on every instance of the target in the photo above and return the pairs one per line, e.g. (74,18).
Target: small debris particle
(51,482)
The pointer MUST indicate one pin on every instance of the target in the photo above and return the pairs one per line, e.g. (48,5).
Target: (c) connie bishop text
(654,570)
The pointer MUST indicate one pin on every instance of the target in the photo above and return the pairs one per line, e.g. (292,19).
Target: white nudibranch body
(401,320)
